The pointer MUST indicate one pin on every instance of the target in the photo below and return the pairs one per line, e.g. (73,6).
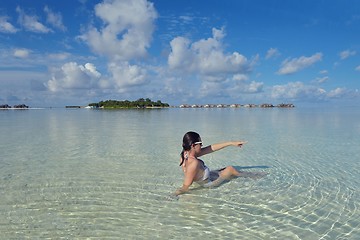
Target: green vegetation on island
(140,103)
(19,106)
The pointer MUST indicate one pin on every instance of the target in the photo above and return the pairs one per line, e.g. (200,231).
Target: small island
(140,103)
(19,106)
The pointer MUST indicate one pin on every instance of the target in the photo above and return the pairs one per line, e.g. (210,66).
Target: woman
(195,169)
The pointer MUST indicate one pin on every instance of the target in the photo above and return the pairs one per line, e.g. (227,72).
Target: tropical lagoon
(108,174)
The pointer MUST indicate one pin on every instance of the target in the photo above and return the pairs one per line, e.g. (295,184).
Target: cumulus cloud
(221,74)
(272,53)
(296,64)
(55,19)
(6,26)
(252,87)
(74,76)
(295,90)
(240,77)
(21,53)
(298,90)
(226,89)
(31,23)
(125,75)
(346,54)
(127,30)
(206,56)
(208,88)
(337,93)
(180,56)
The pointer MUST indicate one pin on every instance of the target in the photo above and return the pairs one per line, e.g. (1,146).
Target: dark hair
(188,139)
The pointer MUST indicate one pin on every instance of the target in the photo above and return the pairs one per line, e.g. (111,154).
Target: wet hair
(189,139)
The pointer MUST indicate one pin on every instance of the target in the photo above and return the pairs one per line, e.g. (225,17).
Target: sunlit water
(98,174)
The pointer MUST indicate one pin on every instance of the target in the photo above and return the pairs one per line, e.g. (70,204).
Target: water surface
(101,174)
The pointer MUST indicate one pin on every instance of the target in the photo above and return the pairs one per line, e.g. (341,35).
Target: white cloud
(296,64)
(214,78)
(74,76)
(59,56)
(357,68)
(222,74)
(242,88)
(21,53)
(206,56)
(127,30)
(5,26)
(173,86)
(322,79)
(346,54)
(186,18)
(240,77)
(31,23)
(91,70)
(272,53)
(223,90)
(252,87)
(213,89)
(55,19)
(337,93)
(181,57)
(124,75)
(296,90)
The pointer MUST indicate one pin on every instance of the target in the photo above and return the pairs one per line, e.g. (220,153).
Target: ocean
(108,174)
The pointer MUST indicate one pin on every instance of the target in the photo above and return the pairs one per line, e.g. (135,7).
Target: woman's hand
(238,143)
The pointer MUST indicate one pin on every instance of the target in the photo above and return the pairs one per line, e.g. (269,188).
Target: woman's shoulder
(193,160)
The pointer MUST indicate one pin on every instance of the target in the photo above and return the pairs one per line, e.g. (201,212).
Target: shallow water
(102,174)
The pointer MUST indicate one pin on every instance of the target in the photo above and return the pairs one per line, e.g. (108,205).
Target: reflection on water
(108,174)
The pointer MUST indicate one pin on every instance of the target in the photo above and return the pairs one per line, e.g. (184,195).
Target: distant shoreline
(30,108)
(158,107)
(264,105)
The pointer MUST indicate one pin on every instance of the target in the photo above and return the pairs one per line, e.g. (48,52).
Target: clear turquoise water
(97,174)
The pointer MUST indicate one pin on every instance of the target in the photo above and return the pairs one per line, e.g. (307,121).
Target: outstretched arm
(218,146)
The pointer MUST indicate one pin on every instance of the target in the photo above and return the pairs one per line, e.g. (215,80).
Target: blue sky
(57,53)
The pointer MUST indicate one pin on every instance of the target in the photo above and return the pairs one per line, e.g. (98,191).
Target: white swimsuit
(206,173)
(205,181)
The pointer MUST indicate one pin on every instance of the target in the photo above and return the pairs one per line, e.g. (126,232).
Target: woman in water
(195,169)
